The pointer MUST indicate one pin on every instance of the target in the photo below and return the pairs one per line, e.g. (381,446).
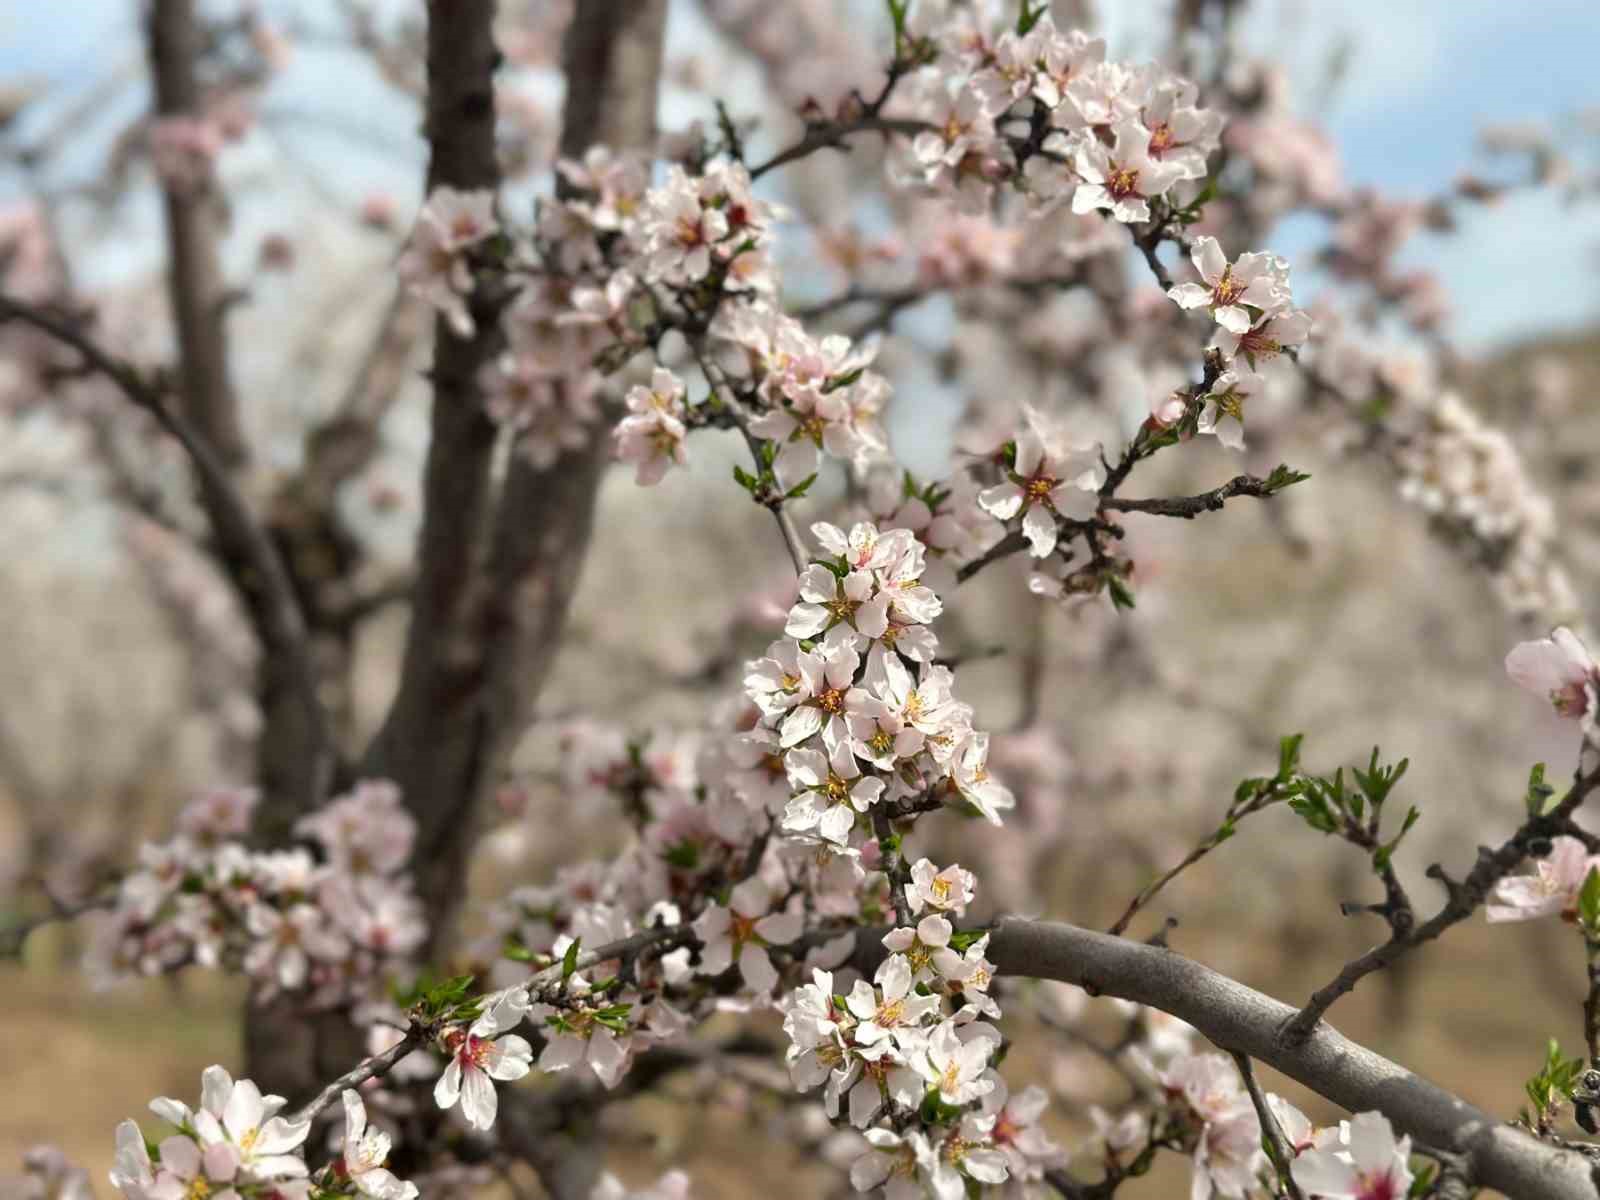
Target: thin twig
(1277,1146)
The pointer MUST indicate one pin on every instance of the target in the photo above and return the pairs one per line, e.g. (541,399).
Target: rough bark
(496,572)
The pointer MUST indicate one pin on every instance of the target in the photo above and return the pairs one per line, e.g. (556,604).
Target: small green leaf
(801,488)
(569,960)
(1589,902)
(1289,755)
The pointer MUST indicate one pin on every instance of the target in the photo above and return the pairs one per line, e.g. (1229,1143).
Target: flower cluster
(233,1144)
(327,927)
(1251,302)
(853,701)
(1468,474)
(1108,136)
(914,1047)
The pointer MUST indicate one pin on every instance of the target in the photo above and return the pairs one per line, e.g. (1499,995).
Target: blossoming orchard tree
(787,886)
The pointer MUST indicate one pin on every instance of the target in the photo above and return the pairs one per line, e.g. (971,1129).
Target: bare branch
(253,563)
(194,277)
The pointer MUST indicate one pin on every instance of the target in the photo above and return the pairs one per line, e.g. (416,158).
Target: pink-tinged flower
(364,832)
(679,231)
(483,1053)
(1181,133)
(434,266)
(1560,669)
(1223,413)
(964,1154)
(219,813)
(1018,1135)
(844,607)
(923,945)
(834,791)
(187,1171)
(1366,1164)
(586,1036)
(1123,178)
(616,184)
(366,1151)
(261,1144)
(1046,482)
(288,942)
(1259,281)
(652,442)
(1266,339)
(1551,890)
(809,421)
(741,933)
(946,891)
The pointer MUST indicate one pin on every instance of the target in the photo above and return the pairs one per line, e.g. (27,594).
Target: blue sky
(1422,76)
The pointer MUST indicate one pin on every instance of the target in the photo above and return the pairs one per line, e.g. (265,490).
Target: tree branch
(252,563)
(1240,1019)
(194,277)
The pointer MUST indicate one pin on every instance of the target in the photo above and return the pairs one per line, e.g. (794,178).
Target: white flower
(834,792)
(1259,281)
(742,932)
(947,891)
(891,1164)
(1369,1164)
(365,1152)
(971,775)
(847,605)
(959,1070)
(896,1010)
(1223,413)
(485,1052)
(1046,481)
(132,1172)
(1266,339)
(262,1142)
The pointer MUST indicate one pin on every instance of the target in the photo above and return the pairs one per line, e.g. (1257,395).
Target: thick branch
(1240,1019)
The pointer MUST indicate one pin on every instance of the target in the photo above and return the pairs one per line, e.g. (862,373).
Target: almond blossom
(1367,1163)
(958,1070)
(1223,411)
(1046,481)
(652,436)
(1259,281)
(482,1053)
(833,791)
(1124,178)
(946,891)
(888,1007)
(742,931)
(1560,669)
(1551,890)
(434,265)
(366,1151)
